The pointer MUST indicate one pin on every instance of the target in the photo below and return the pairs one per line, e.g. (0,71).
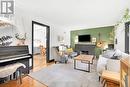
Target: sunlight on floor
(40,62)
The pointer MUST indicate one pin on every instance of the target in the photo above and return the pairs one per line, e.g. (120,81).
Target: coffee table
(88,59)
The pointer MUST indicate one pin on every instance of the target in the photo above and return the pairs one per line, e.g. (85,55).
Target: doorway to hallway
(40,44)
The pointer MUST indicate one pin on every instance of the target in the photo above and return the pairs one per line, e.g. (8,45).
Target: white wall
(23,23)
(120,35)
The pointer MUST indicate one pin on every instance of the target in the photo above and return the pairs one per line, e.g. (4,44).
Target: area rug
(64,75)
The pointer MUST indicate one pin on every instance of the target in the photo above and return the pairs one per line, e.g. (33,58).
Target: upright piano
(14,54)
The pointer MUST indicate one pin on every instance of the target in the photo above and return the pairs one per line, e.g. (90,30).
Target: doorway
(40,44)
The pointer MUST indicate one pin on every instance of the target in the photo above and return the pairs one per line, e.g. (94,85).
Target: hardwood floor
(39,60)
(39,63)
(27,81)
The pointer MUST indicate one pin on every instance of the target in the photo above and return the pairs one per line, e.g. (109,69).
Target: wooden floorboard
(40,62)
(27,81)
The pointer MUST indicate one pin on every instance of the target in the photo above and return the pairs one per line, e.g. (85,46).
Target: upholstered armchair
(58,56)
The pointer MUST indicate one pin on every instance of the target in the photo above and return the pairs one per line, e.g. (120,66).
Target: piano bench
(12,69)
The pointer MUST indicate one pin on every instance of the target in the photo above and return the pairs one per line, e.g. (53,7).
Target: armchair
(59,56)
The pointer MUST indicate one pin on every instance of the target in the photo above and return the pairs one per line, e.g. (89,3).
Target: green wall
(104,31)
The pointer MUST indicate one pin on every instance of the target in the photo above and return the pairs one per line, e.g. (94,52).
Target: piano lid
(13,51)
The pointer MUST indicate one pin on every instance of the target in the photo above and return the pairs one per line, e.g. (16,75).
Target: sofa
(110,60)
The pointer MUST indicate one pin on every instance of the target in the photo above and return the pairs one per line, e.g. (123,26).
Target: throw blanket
(9,69)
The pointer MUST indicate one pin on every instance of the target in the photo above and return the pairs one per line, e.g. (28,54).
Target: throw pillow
(118,53)
(108,53)
(70,50)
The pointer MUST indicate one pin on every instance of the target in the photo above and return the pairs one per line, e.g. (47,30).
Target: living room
(74,30)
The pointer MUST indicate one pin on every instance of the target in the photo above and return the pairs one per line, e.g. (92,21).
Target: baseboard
(51,60)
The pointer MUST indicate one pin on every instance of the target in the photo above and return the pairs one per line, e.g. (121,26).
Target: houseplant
(125,18)
(21,38)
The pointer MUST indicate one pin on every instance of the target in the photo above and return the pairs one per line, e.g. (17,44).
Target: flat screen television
(84,38)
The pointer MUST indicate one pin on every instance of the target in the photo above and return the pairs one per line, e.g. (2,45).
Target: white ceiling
(76,12)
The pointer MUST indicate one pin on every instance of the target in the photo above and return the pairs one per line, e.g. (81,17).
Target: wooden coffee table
(88,59)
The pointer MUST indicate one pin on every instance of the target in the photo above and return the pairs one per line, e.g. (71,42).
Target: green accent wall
(94,32)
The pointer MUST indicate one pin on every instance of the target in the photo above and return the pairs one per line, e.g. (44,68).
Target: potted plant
(125,18)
